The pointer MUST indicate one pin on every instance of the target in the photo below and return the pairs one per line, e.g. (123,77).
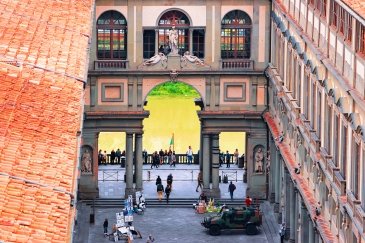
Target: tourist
(200,182)
(203,197)
(105,155)
(166,157)
(235,156)
(189,155)
(161,154)
(145,156)
(118,153)
(169,180)
(112,156)
(282,232)
(158,180)
(228,159)
(122,159)
(231,189)
(155,160)
(248,201)
(105,225)
(160,191)
(221,159)
(167,192)
(173,159)
(100,156)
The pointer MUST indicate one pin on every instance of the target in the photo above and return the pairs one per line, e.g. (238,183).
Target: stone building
(316,103)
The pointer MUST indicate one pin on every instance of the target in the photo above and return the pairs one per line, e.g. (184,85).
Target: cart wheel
(214,230)
(251,229)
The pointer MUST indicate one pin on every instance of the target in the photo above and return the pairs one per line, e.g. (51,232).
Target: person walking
(189,155)
(200,182)
(231,189)
(248,201)
(167,192)
(160,190)
(105,225)
(282,232)
(169,180)
(158,180)
(228,159)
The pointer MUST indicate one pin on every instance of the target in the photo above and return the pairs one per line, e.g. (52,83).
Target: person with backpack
(231,189)
(169,180)
(160,191)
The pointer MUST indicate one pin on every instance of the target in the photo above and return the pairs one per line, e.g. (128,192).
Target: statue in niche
(155,59)
(191,58)
(173,35)
(86,162)
(259,159)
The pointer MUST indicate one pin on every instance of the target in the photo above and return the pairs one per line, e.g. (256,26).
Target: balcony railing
(110,64)
(237,64)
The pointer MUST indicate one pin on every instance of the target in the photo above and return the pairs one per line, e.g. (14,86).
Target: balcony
(110,64)
(237,64)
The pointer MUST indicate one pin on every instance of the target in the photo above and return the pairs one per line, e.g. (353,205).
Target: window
(298,81)
(328,129)
(198,43)
(343,166)
(334,11)
(348,30)
(321,6)
(341,20)
(181,22)
(305,97)
(336,140)
(111,36)
(311,2)
(360,42)
(319,113)
(355,174)
(313,102)
(148,43)
(236,35)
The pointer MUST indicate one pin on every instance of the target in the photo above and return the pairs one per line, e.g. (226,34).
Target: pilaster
(215,192)
(129,165)
(138,162)
(206,162)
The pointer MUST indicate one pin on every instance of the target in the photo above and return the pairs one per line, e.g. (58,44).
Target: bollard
(149,175)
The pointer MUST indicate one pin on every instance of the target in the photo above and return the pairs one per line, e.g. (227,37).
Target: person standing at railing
(173,159)
(189,155)
(228,159)
(118,153)
(145,156)
(235,156)
(112,156)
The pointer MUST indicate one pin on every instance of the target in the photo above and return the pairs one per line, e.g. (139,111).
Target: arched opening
(111,29)
(236,35)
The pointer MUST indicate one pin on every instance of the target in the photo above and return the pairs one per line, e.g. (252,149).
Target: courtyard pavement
(111,181)
(168,225)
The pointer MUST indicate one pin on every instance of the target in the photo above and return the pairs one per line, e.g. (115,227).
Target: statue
(155,59)
(86,162)
(259,160)
(192,59)
(173,35)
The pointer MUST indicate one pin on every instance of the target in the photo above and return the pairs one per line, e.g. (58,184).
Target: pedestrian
(105,155)
(161,156)
(169,180)
(150,239)
(200,182)
(228,159)
(145,156)
(248,201)
(173,159)
(235,156)
(100,157)
(189,155)
(112,156)
(105,225)
(203,197)
(122,159)
(221,159)
(282,232)
(158,180)
(167,192)
(118,153)
(160,191)
(231,189)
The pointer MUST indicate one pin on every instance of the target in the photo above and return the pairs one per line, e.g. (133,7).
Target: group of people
(150,238)
(160,188)
(115,156)
(226,158)
(167,157)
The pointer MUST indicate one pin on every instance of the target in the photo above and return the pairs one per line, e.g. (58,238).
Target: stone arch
(174,9)
(160,82)
(86,160)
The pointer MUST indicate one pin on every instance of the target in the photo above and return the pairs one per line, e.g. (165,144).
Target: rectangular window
(363,181)
(336,140)
(319,113)
(299,84)
(311,2)
(343,166)
(288,69)
(355,174)
(348,29)
(360,42)
(341,20)
(149,45)
(198,43)
(334,14)
(294,78)
(305,96)
(324,8)
(312,105)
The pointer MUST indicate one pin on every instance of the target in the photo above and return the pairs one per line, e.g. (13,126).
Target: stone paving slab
(169,225)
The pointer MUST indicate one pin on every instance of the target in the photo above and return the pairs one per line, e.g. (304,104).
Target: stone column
(304,223)
(206,163)
(277,182)
(156,41)
(310,232)
(191,41)
(316,236)
(129,165)
(296,216)
(292,213)
(201,149)
(139,162)
(215,166)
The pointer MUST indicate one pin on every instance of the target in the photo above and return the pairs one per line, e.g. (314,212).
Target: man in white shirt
(189,154)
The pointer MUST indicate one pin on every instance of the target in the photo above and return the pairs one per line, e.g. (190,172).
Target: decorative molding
(106,86)
(241,85)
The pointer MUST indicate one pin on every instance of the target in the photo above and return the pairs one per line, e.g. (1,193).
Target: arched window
(181,22)
(236,35)
(112,36)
